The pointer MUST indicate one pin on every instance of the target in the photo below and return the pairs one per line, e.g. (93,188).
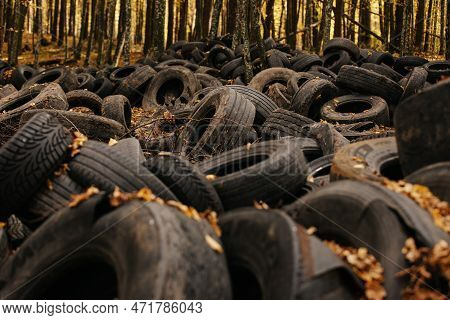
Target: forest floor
(54,52)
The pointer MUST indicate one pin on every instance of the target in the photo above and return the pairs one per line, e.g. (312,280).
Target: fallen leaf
(78,198)
(78,140)
(260,205)
(2,225)
(311,230)
(112,142)
(213,244)
(211,177)
(49,184)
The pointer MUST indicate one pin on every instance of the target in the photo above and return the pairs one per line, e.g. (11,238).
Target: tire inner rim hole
(169,91)
(49,77)
(331,60)
(353,107)
(391,169)
(81,278)
(244,284)
(124,72)
(439,66)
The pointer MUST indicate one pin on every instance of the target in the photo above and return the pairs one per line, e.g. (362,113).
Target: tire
(100,165)
(435,177)
(310,97)
(364,130)
(92,126)
(304,62)
(86,99)
(421,128)
(381,58)
(154,146)
(117,108)
(277,92)
(323,73)
(21,74)
(4,246)
(404,65)
(209,71)
(277,59)
(134,86)
(284,123)
(121,74)
(227,69)
(369,82)
(37,97)
(28,159)
(372,160)
(296,81)
(102,87)
(154,253)
(47,202)
(335,60)
(63,76)
(384,70)
(437,70)
(366,215)
(207,80)
(217,124)
(416,81)
(7,90)
(186,181)
(329,139)
(319,170)
(131,148)
(356,108)
(175,83)
(85,81)
(219,55)
(338,44)
(269,171)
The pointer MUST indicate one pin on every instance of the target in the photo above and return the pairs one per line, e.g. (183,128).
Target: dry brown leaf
(311,230)
(211,177)
(260,205)
(49,184)
(365,266)
(78,198)
(62,170)
(78,140)
(421,195)
(211,217)
(112,142)
(213,244)
(2,225)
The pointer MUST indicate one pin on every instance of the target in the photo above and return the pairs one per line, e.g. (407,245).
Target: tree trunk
(426,45)
(351,26)
(111,22)
(159,24)
(447,33)
(399,7)
(442,24)
(2,26)
(38,31)
(84,13)
(207,7)
(127,44)
(406,45)
(255,7)
(91,33)
(49,16)
(364,18)
(270,25)
(55,21)
(420,17)
(231,16)
(291,23)
(72,14)
(385,22)
(170,23)
(215,19)
(20,11)
(62,22)
(148,26)
(244,24)
(101,22)
(339,16)
(327,24)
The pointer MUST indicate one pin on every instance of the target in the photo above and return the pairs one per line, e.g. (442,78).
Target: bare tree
(20,10)
(111,22)
(215,19)
(100,23)
(62,22)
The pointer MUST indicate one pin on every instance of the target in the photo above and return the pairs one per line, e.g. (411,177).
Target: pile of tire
(239,188)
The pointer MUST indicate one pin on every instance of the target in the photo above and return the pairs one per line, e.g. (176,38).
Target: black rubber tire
(207,80)
(421,127)
(437,70)
(284,123)
(296,81)
(63,76)
(329,139)
(323,73)
(262,80)
(275,58)
(21,74)
(100,165)
(319,170)
(435,177)
(28,159)
(380,58)
(84,98)
(134,86)
(373,160)
(366,215)
(7,90)
(122,73)
(338,44)
(384,70)
(102,87)
(92,126)
(227,69)
(310,97)
(404,65)
(49,97)
(130,147)
(364,130)
(4,246)
(219,55)
(369,82)
(270,171)
(335,60)
(140,250)
(304,62)
(217,124)
(186,181)
(117,108)
(415,82)
(162,87)
(85,81)
(47,201)
(209,71)
(356,108)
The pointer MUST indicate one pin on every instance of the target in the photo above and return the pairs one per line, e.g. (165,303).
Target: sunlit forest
(108,31)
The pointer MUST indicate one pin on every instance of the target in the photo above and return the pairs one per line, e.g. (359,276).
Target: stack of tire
(307,144)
